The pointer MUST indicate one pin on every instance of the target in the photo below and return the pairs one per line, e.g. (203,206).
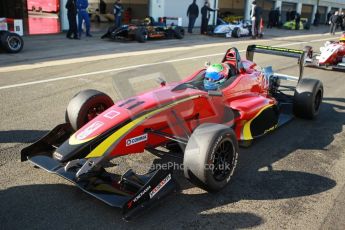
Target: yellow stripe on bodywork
(247,135)
(106,144)
(73,140)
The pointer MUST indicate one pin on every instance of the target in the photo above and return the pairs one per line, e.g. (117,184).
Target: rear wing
(279,51)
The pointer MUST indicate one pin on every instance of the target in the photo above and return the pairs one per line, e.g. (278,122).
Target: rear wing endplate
(279,51)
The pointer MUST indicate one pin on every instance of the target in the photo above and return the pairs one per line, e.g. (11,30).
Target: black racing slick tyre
(141,35)
(210,156)
(308,98)
(85,106)
(236,33)
(11,42)
(179,32)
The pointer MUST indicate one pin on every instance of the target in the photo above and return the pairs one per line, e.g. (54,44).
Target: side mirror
(242,70)
(207,64)
(215,93)
(161,81)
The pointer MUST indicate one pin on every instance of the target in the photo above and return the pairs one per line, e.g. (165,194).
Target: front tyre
(307,98)
(178,32)
(11,42)
(236,33)
(85,106)
(211,156)
(141,35)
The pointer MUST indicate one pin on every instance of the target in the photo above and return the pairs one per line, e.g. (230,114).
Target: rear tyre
(85,106)
(179,32)
(211,156)
(307,98)
(11,42)
(236,32)
(141,35)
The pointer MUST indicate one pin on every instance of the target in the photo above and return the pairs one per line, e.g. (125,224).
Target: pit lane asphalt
(292,178)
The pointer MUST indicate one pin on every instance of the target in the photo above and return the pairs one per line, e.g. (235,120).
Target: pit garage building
(170,8)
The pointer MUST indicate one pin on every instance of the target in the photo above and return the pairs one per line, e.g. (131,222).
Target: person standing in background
(192,14)
(297,21)
(72,19)
(334,21)
(102,7)
(288,13)
(205,16)
(329,15)
(317,18)
(271,18)
(342,24)
(276,16)
(118,9)
(256,16)
(83,16)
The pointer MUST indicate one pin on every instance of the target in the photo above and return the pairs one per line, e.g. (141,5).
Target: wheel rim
(94,111)
(317,101)
(223,157)
(14,43)
(238,33)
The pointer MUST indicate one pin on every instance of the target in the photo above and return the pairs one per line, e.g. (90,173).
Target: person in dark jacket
(293,15)
(83,15)
(205,16)
(192,13)
(329,15)
(256,16)
(276,16)
(102,7)
(271,18)
(342,16)
(297,20)
(72,19)
(118,9)
(288,13)
(317,18)
(335,20)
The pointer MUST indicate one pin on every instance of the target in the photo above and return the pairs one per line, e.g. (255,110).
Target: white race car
(331,56)
(235,29)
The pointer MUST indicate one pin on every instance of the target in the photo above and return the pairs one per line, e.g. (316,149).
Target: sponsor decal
(279,49)
(136,140)
(142,193)
(57,155)
(111,114)
(160,186)
(89,130)
(271,129)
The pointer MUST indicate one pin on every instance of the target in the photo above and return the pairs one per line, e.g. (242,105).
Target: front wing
(130,192)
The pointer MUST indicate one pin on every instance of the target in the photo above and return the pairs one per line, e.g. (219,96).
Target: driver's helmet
(342,38)
(215,76)
(147,21)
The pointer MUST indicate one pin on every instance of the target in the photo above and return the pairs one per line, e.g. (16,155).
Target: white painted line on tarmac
(137,53)
(133,67)
(118,55)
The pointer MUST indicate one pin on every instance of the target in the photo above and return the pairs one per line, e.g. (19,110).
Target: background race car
(10,35)
(234,29)
(147,29)
(332,55)
(303,24)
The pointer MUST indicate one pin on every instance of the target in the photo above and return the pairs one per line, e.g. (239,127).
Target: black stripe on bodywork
(135,105)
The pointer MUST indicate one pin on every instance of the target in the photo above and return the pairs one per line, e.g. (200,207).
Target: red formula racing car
(206,126)
(332,55)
